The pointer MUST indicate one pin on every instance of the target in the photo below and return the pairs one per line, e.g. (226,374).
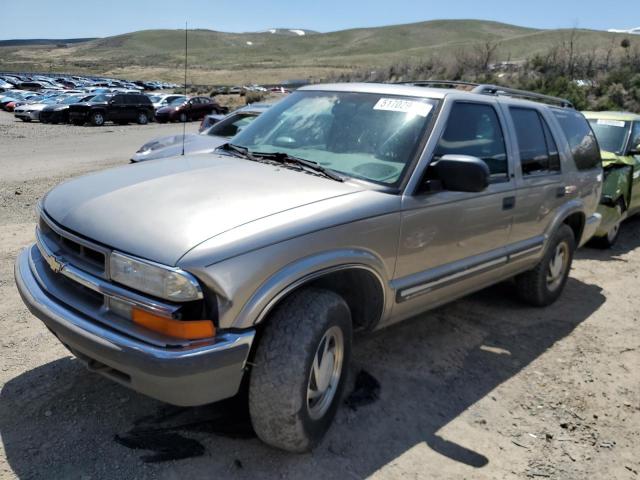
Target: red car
(185,110)
(10,107)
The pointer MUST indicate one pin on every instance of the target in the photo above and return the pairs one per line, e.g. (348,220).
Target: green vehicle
(618,134)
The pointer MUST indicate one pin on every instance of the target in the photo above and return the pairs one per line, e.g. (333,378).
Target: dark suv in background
(119,108)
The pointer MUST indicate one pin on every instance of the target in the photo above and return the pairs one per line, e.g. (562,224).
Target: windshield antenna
(184,124)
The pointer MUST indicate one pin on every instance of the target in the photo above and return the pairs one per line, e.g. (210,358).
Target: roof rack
(487,89)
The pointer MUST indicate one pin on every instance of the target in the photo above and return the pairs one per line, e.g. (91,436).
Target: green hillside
(217,57)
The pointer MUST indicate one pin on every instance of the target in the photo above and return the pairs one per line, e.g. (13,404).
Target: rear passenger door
(541,189)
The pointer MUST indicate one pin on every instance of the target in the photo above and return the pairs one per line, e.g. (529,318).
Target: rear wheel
(300,369)
(143,118)
(543,285)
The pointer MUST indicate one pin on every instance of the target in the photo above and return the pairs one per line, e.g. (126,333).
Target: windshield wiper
(285,158)
(238,150)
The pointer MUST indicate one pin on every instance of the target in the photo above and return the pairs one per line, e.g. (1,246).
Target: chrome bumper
(186,376)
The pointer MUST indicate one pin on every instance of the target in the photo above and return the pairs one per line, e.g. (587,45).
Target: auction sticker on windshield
(403,106)
(610,123)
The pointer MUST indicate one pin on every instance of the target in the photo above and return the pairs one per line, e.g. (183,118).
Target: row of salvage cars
(101,105)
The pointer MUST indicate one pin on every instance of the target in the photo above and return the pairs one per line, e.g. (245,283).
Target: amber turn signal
(186,329)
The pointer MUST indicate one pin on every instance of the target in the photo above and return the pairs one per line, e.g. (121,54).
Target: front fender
(305,270)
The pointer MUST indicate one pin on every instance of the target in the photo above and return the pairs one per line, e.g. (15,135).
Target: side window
(474,129)
(118,100)
(635,136)
(535,143)
(583,143)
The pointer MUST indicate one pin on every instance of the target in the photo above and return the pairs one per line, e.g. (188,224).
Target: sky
(88,18)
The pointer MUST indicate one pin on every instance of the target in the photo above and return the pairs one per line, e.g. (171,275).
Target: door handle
(508,203)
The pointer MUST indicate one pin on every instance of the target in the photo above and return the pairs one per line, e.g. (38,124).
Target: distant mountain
(278,54)
(633,31)
(43,41)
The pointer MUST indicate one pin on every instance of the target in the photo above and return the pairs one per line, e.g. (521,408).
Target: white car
(31,111)
(163,99)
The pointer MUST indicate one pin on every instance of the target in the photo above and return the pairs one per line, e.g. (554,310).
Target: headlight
(159,281)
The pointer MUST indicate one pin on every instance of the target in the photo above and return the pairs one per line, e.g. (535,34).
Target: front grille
(81,254)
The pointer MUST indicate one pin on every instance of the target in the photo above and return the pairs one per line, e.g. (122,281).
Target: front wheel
(543,285)
(300,369)
(97,119)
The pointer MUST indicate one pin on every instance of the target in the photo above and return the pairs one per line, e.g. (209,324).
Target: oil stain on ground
(163,433)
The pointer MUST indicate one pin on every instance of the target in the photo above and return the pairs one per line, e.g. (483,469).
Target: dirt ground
(484,388)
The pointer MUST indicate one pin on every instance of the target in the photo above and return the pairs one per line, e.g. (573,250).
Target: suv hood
(160,210)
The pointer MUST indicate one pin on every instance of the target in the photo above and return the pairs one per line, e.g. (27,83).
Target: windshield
(231,125)
(70,100)
(364,135)
(100,98)
(155,98)
(178,101)
(611,134)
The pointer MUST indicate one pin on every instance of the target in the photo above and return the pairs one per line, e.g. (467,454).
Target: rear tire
(300,369)
(543,285)
(143,118)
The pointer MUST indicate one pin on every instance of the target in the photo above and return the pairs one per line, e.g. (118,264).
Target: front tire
(97,119)
(543,285)
(300,369)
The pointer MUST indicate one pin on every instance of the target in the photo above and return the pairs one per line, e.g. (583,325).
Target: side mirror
(462,173)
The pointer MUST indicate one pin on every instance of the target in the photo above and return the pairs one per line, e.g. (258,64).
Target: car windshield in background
(611,134)
(178,101)
(100,98)
(155,98)
(232,125)
(70,100)
(369,136)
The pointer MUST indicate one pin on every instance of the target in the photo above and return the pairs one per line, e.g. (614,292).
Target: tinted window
(535,142)
(582,141)
(119,100)
(474,129)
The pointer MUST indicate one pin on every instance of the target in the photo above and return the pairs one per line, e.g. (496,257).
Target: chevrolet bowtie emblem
(55,264)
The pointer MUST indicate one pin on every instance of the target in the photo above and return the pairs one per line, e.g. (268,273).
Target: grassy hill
(225,58)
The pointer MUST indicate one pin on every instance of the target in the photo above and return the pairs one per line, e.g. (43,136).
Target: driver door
(454,242)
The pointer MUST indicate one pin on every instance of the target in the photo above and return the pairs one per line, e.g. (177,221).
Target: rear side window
(583,143)
(474,129)
(538,150)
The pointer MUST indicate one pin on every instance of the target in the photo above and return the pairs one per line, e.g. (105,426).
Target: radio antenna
(186,45)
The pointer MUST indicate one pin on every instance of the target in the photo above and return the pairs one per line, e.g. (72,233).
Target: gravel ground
(482,388)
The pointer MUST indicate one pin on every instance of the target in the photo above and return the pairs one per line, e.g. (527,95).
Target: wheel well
(362,291)
(575,221)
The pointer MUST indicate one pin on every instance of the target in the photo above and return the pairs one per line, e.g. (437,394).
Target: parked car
(119,108)
(163,99)
(203,142)
(618,134)
(59,112)
(343,208)
(185,110)
(31,111)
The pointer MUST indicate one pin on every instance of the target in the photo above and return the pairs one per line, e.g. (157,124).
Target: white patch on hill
(633,31)
(249,43)
(298,32)
(273,30)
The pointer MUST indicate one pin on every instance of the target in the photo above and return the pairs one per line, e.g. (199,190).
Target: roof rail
(524,94)
(440,83)
(487,89)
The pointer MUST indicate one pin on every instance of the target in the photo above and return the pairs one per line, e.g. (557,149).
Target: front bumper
(28,114)
(186,376)
(590,227)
